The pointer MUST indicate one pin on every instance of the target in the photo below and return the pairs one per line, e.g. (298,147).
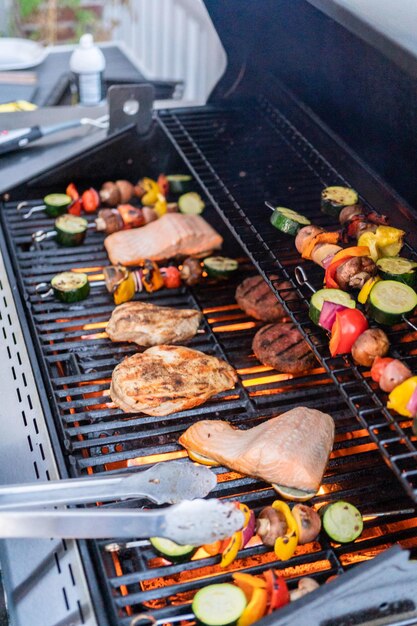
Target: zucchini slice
(288,221)
(333,199)
(56,204)
(70,286)
(70,230)
(191,203)
(398,268)
(220,266)
(219,605)
(179,183)
(330,295)
(172,551)
(342,522)
(389,300)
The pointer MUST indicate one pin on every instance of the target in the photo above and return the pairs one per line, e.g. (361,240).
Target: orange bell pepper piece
(332,237)
(350,252)
(255,609)
(248,582)
(213,548)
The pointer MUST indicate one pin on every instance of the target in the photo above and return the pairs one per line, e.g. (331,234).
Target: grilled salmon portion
(290,450)
(150,325)
(165,379)
(172,235)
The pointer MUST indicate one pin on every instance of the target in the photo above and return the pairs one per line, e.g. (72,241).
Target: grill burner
(241,157)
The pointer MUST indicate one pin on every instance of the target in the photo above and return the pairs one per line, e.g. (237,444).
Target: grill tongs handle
(193,523)
(168,482)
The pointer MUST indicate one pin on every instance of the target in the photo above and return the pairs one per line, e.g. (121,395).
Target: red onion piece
(328,314)
(249,530)
(412,403)
(327,260)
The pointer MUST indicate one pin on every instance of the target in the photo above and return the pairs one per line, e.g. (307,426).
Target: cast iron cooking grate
(77,361)
(243,160)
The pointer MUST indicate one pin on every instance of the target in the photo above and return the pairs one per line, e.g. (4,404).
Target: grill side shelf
(189,132)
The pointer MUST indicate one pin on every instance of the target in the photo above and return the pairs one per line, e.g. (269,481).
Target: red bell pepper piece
(277,590)
(90,200)
(349,324)
(329,277)
(163,184)
(75,206)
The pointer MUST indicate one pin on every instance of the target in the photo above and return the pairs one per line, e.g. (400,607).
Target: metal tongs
(21,137)
(190,522)
(162,483)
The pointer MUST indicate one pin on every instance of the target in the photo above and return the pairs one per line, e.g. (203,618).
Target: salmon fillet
(166,379)
(290,450)
(150,325)
(172,235)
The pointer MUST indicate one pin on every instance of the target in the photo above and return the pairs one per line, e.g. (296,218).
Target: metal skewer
(149,620)
(301,278)
(34,209)
(370,516)
(269,205)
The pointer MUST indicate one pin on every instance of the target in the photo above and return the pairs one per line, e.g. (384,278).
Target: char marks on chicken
(150,325)
(166,379)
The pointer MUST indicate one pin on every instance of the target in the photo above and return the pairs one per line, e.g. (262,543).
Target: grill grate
(240,157)
(295,179)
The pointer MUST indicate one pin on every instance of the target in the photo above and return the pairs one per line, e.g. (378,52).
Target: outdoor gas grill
(257,143)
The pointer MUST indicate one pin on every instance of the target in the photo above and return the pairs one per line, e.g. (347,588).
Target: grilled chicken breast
(290,450)
(150,325)
(165,379)
(257,300)
(172,235)
(282,347)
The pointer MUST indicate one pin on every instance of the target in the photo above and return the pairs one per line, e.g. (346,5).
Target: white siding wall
(171,40)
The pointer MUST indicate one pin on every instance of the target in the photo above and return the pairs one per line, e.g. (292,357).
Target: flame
(86,270)
(94,325)
(156,458)
(234,327)
(274,378)
(216,309)
(95,336)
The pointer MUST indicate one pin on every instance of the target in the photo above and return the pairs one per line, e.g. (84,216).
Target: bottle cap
(87,41)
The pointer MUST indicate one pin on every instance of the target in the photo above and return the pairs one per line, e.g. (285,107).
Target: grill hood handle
(168,482)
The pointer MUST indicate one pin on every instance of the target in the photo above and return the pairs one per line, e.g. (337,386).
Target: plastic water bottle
(87,65)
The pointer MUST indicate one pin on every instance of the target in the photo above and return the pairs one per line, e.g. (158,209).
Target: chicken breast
(291,450)
(172,235)
(165,379)
(150,325)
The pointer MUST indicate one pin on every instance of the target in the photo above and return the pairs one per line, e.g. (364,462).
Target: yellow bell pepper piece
(255,609)
(151,191)
(160,206)
(369,239)
(246,512)
(248,582)
(125,290)
(389,240)
(366,289)
(285,546)
(400,396)
(233,547)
